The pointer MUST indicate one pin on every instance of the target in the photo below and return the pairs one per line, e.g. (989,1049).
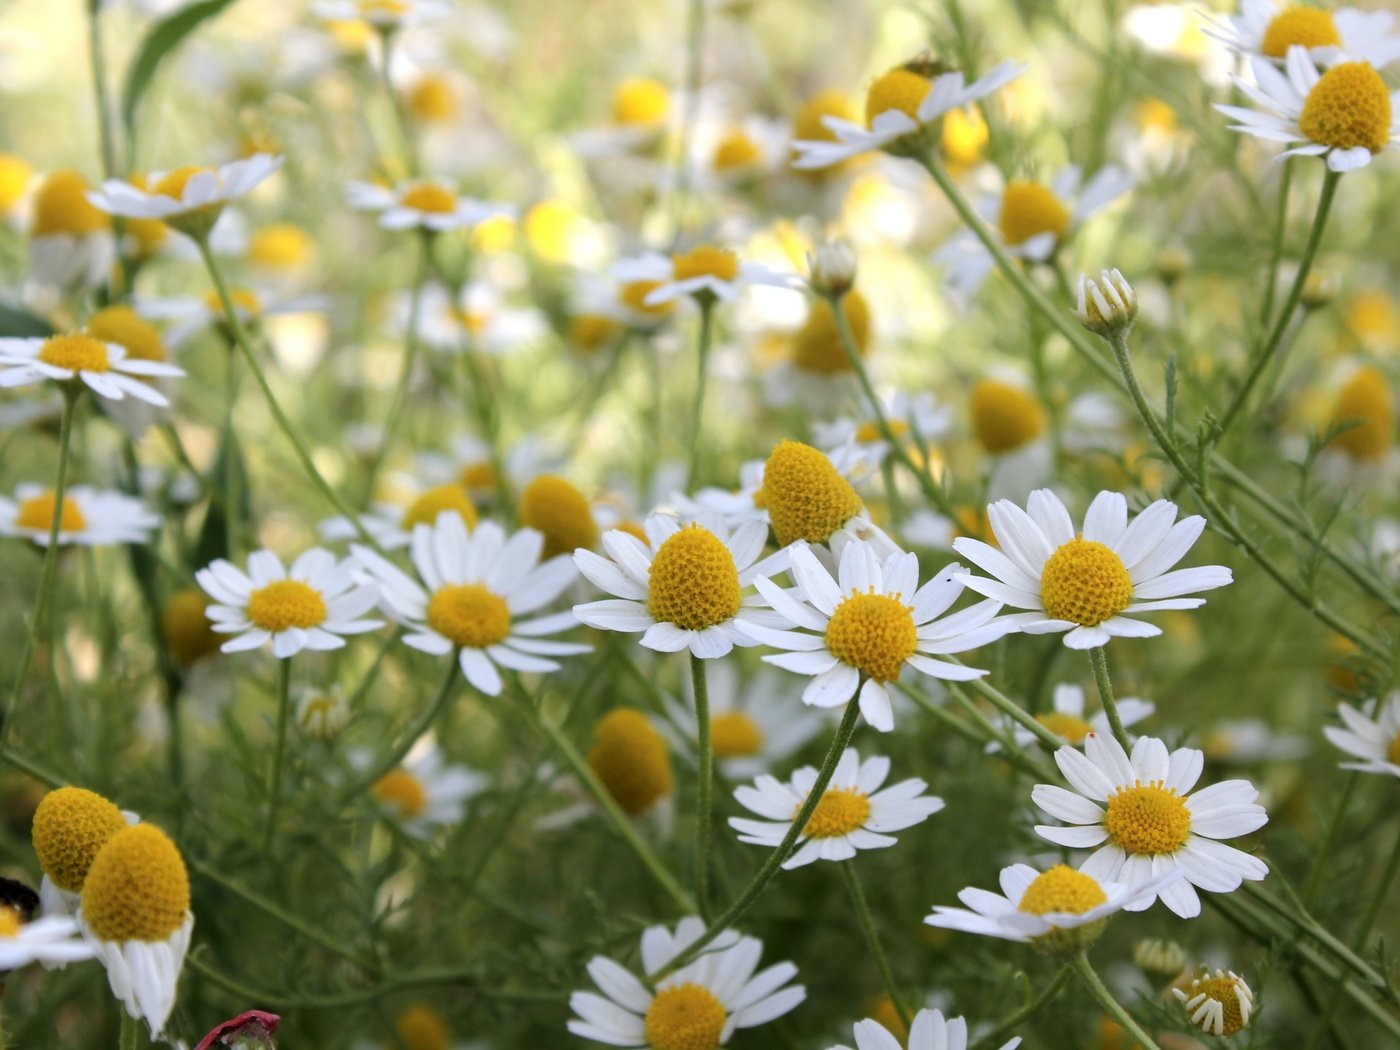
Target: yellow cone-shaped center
(1349,107)
(469,615)
(639,102)
(685,1017)
(284,604)
(70,826)
(736,151)
(693,582)
(1062,890)
(840,812)
(631,760)
(1301,26)
(121,325)
(807,498)
(1085,582)
(706,260)
(1367,406)
(37,513)
(1068,727)
(734,734)
(634,296)
(1147,818)
(818,347)
(426,508)
(1028,209)
(561,513)
(1226,992)
(898,89)
(430,197)
(137,888)
(1004,416)
(402,790)
(873,633)
(77,352)
(61,207)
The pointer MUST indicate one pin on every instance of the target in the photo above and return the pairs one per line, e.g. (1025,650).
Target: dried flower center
(561,513)
(807,497)
(1028,209)
(1348,107)
(1062,891)
(898,89)
(429,197)
(634,294)
(1147,818)
(1226,992)
(137,888)
(1085,582)
(61,207)
(402,790)
(438,500)
(70,826)
(284,604)
(1365,403)
(77,353)
(422,1028)
(874,633)
(640,102)
(1066,726)
(840,812)
(469,615)
(818,346)
(736,151)
(685,1017)
(693,582)
(121,325)
(734,734)
(1005,416)
(36,513)
(630,759)
(1303,26)
(705,260)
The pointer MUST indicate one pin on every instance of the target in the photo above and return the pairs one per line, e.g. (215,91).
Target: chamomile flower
(53,940)
(702,1004)
(476,319)
(808,497)
(1346,114)
(312,605)
(89,517)
(1082,583)
(189,315)
(913,419)
(469,463)
(641,108)
(853,813)
(71,825)
(392,526)
(1145,821)
(1265,29)
(433,205)
(734,506)
(425,793)
(1066,719)
(930,1031)
(1372,736)
(384,15)
(191,198)
(103,367)
(70,242)
(322,713)
(473,590)
(738,152)
(857,636)
(704,271)
(1219,1003)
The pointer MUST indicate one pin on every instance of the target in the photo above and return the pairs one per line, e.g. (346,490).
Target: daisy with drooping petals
(472,592)
(1346,114)
(703,271)
(1373,737)
(90,517)
(868,627)
(187,198)
(1218,1004)
(70,826)
(425,793)
(853,813)
(700,1005)
(1082,582)
(930,1031)
(103,367)
(1066,719)
(1145,821)
(427,204)
(1263,30)
(310,606)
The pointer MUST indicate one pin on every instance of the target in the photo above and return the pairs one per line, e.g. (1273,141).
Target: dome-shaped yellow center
(590,333)
(77,352)
(432,99)
(1224,990)
(1070,728)
(1301,26)
(734,734)
(705,260)
(137,888)
(1367,404)
(840,812)
(37,512)
(429,197)
(437,500)
(279,246)
(10,922)
(561,513)
(1147,818)
(873,633)
(469,615)
(172,184)
(70,826)
(807,497)
(188,634)
(808,124)
(634,296)
(639,102)
(402,790)
(965,136)
(15,176)
(736,151)
(284,604)
(1349,107)
(1028,209)
(693,582)
(1063,891)
(631,760)
(1085,582)
(817,346)
(685,1017)
(121,325)
(479,475)
(898,89)
(422,1028)
(61,207)
(1005,416)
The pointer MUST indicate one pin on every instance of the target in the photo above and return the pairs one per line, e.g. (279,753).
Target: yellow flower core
(734,734)
(883,1010)
(1393,752)
(631,760)
(432,99)
(807,125)
(634,528)
(558,510)
(685,1017)
(1348,107)
(479,475)
(121,325)
(36,513)
(874,633)
(898,89)
(186,629)
(870,431)
(137,888)
(172,184)
(76,352)
(149,234)
(244,300)
(61,206)
(807,497)
(429,197)
(589,333)
(1062,890)
(818,348)
(693,582)
(634,293)
(736,151)
(70,826)
(706,260)
(840,812)
(1085,582)
(469,615)
(639,102)
(9,923)
(15,175)
(402,790)
(1304,26)
(284,604)
(1028,209)
(422,1028)
(965,136)
(473,322)
(426,508)
(1068,727)
(1225,991)
(279,246)
(1366,401)
(1005,416)
(351,35)
(1147,818)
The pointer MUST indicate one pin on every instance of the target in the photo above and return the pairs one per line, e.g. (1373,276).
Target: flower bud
(833,267)
(1107,306)
(322,713)
(1156,955)
(1319,289)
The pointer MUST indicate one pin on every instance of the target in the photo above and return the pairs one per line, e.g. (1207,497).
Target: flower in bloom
(1145,820)
(1082,582)
(53,940)
(189,198)
(808,498)
(853,813)
(311,606)
(91,517)
(425,794)
(427,204)
(1372,737)
(700,1005)
(70,241)
(914,420)
(106,368)
(70,825)
(704,271)
(641,107)
(1066,719)
(1263,30)
(930,1031)
(384,15)
(469,595)
(858,635)
(1219,1004)
(392,527)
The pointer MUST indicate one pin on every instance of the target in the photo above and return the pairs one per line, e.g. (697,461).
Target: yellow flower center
(437,500)
(137,888)
(473,322)
(559,511)
(1365,402)
(9,923)
(807,125)
(631,760)
(480,475)
(898,89)
(186,629)
(388,8)
(429,197)
(36,513)
(70,826)
(639,102)
(1005,416)
(1147,818)
(1224,990)
(818,348)
(840,812)
(634,294)
(685,1017)
(172,184)
(869,431)
(15,176)
(279,246)
(965,136)
(1063,891)
(807,497)
(469,615)
(121,325)
(693,582)
(1348,107)
(1393,752)
(555,229)
(284,604)
(422,1028)
(736,151)
(351,35)
(1084,582)
(244,300)
(61,206)
(432,99)
(705,261)
(883,1010)
(734,734)
(1029,209)
(1304,26)
(1068,727)
(76,352)
(402,790)
(874,633)
(589,333)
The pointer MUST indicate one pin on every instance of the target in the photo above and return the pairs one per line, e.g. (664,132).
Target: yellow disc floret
(1028,209)
(685,1017)
(807,498)
(172,184)
(1063,891)
(121,325)
(590,333)
(1349,107)
(70,826)
(734,734)
(439,500)
(898,89)
(37,513)
(873,633)
(402,790)
(422,1028)
(137,888)
(561,513)
(432,99)
(1148,819)
(1301,26)
(705,260)
(284,604)
(1085,582)
(185,627)
(469,615)
(631,760)
(429,197)
(61,207)
(1005,416)
(15,176)
(1366,403)
(279,246)
(1066,726)
(639,102)
(693,582)
(634,296)
(1393,751)
(809,124)
(76,352)
(818,346)
(840,812)
(736,151)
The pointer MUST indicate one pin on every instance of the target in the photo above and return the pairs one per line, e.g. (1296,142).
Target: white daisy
(428,204)
(913,419)
(103,367)
(930,1031)
(1066,718)
(1082,582)
(1140,814)
(311,606)
(53,940)
(382,14)
(1264,30)
(684,588)
(191,314)
(392,526)
(1346,114)
(1219,1004)
(641,109)
(870,626)
(729,153)
(701,1004)
(735,507)
(71,245)
(185,190)
(476,589)
(705,270)
(477,319)
(853,814)
(1372,736)
(90,517)
(425,794)
(470,463)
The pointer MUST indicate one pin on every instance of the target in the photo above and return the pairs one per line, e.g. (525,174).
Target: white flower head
(1264,30)
(103,367)
(1066,718)
(91,517)
(188,198)
(384,15)
(705,270)
(427,204)
(1372,736)
(425,793)
(860,443)
(930,1031)
(53,940)
(1219,1003)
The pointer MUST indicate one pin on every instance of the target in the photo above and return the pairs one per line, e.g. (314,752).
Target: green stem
(1276,248)
(97,58)
(1329,841)
(697,408)
(1017,714)
(409,155)
(274,777)
(1392,865)
(1009,1026)
(394,758)
(1099,659)
(129,1036)
(1105,999)
(872,938)
(704,802)
(695,53)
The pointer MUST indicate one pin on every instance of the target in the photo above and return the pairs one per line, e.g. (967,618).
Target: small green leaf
(164,37)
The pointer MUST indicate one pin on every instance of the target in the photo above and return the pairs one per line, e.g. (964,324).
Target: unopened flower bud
(1171,264)
(1107,306)
(1159,956)
(322,713)
(1319,289)
(833,267)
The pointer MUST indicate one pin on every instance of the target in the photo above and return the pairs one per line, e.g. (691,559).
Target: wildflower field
(699,523)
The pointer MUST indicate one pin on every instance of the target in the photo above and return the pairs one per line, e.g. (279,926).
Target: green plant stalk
(702,370)
(705,790)
(872,938)
(1009,1026)
(1276,247)
(274,776)
(1016,713)
(1099,660)
(1329,841)
(97,58)
(694,59)
(409,154)
(395,756)
(129,1037)
(1105,999)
